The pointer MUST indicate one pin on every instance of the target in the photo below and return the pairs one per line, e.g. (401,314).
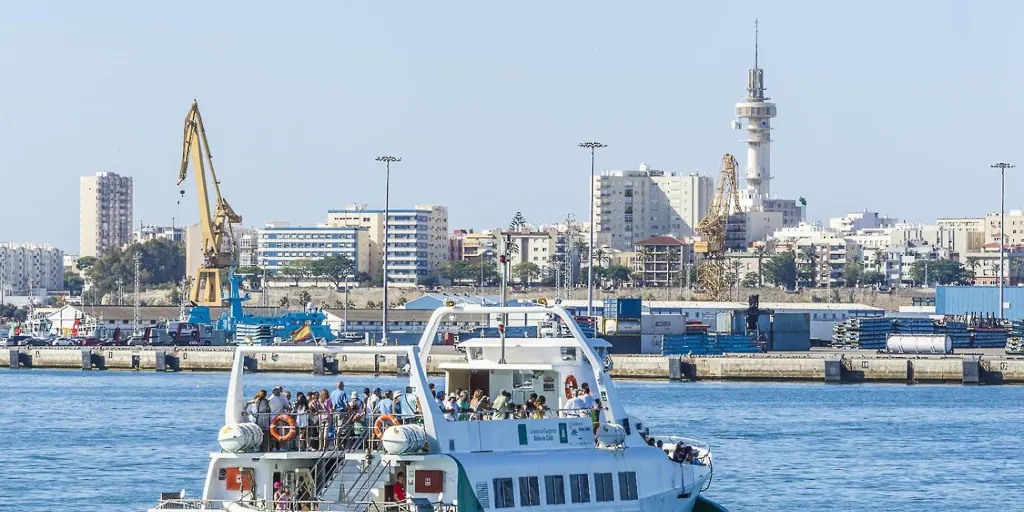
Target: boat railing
(299,505)
(703,450)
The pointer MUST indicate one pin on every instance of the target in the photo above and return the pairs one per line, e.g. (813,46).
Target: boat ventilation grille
(483,494)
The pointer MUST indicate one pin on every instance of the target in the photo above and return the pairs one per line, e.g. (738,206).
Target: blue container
(622,308)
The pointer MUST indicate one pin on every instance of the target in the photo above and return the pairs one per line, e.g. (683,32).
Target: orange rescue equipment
(570,387)
(379,426)
(282,428)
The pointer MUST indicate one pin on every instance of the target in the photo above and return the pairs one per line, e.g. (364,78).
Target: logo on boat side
(563,434)
(523,439)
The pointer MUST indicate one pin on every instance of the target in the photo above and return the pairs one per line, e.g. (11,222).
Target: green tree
(942,272)
(85,262)
(161,261)
(751,280)
(456,271)
(293,271)
(807,268)
(429,281)
(642,257)
(304,298)
(253,276)
(781,269)
(526,272)
(761,252)
(873,278)
(491,277)
(284,302)
(853,274)
(73,282)
(617,274)
(336,268)
(972,267)
(11,312)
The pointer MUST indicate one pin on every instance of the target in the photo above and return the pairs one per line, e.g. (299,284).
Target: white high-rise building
(630,206)
(105,215)
(417,239)
(27,267)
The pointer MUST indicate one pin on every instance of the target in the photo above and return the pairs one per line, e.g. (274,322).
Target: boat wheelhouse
(565,456)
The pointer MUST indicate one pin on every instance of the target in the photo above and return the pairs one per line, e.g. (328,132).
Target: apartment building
(282,245)
(417,240)
(146,233)
(630,206)
(105,214)
(660,260)
(27,267)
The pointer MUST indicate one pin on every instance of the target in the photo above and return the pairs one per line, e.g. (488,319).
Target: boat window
(627,486)
(579,488)
(529,491)
(554,487)
(568,353)
(503,497)
(603,486)
(522,379)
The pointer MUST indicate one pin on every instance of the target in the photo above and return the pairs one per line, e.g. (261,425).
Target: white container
(662,324)
(610,434)
(400,439)
(240,437)
(919,344)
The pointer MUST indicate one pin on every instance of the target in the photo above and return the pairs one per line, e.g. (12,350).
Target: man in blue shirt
(385,405)
(338,397)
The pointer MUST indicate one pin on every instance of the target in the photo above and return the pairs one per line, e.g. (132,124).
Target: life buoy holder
(570,387)
(282,428)
(378,425)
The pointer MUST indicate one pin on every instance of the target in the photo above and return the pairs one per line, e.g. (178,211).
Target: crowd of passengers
(318,416)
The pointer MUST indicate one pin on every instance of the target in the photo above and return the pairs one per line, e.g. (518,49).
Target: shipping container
(980,301)
(622,308)
(662,324)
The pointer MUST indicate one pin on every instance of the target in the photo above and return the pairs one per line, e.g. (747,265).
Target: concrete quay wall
(848,367)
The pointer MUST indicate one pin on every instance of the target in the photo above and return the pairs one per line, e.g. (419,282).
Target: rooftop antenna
(755,43)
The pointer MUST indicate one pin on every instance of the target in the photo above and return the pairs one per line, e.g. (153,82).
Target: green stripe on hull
(705,505)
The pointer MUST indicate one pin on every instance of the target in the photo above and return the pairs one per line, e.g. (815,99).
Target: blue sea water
(110,441)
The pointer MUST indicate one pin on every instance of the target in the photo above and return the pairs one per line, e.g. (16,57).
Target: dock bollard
(833,370)
(972,370)
(161,361)
(86,358)
(15,361)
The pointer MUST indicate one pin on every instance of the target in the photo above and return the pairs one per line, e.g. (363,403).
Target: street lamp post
(592,146)
(387,223)
(1002,166)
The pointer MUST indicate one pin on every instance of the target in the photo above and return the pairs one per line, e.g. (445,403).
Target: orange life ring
(378,425)
(282,422)
(571,386)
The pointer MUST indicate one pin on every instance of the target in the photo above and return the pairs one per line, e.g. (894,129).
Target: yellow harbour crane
(217,246)
(711,270)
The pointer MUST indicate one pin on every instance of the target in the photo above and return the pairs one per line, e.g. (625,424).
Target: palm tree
(600,255)
(761,252)
(642,257)
(972,264)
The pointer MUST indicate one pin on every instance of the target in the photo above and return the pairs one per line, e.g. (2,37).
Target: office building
(280,245)
(417,240)
(105,215)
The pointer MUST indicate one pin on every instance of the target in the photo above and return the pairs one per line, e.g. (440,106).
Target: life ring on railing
(379,427)
(285,423)
(570,387)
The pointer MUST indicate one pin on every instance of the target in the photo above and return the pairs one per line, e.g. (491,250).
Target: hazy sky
(898,107)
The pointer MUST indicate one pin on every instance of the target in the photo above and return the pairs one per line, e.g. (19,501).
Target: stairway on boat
(360,480)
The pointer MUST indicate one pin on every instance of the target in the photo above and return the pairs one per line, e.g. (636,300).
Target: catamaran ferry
(431,457)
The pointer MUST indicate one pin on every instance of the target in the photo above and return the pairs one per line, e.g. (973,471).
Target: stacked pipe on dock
(871,333)
(708,344)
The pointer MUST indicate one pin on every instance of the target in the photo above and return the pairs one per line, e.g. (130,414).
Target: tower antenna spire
(755,43)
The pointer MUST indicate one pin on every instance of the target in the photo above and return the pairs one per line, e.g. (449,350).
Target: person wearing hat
(449,408)
(282,498)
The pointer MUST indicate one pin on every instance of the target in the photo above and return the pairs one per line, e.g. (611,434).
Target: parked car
(17,340)
(37,342)
(135,341)
(63,342)
(90,342)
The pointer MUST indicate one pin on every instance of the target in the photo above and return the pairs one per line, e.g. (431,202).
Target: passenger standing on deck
(462,406)
(449,408)
(278,405)
(399,488)
(371,403)
(540,408)
(500,404)
(313,398)
(386,405)
(326,410)
(301,412)
(338,397)
(259,407)
(588,396)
